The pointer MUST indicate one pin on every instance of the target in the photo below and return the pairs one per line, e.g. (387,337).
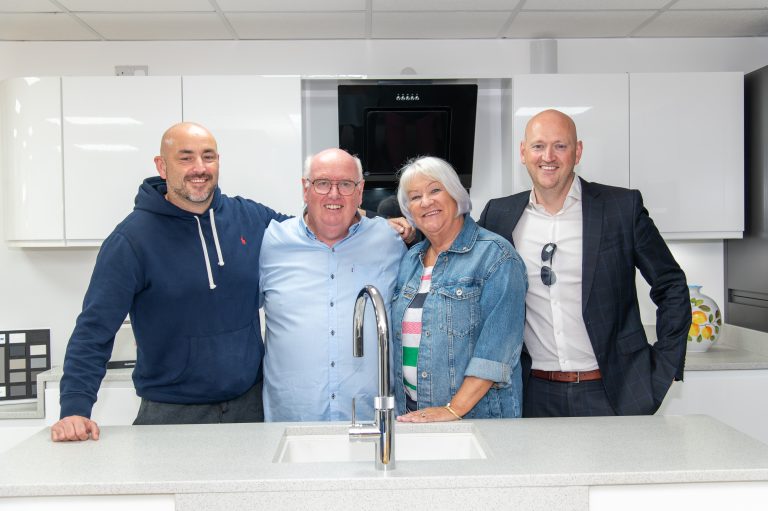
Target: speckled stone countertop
(564,456)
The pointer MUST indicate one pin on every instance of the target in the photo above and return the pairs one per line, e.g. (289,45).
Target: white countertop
(524,452)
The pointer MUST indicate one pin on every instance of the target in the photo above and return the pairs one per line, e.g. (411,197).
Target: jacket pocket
(462,304)
(633,342)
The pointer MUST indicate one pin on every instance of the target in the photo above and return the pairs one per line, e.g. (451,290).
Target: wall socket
(131,70)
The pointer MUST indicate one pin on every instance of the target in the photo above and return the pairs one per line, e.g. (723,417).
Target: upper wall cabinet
(30,137)
(598,104)
(257,124)
(112,130)
(687,151)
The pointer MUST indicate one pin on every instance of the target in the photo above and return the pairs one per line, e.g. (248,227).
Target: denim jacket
(472,322)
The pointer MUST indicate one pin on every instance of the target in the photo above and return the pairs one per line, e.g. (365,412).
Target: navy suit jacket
(619,236)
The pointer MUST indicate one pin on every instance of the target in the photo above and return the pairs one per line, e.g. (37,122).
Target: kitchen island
(563,464)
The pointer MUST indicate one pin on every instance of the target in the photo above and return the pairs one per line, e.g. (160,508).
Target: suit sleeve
(669,291)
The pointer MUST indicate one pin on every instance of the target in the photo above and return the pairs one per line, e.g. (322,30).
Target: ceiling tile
(27,6)
(707,24)
(576,24)
(444,5)
(138,5)
(440,25)
(592,5)
(43,27)
(342,25)
(157,26)
(720,4)
(291,5)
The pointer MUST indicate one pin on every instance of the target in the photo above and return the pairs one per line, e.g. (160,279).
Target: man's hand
(74,428)
(401,226)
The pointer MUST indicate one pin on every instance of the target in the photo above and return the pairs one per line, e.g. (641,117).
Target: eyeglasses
(345,186)
(547,273)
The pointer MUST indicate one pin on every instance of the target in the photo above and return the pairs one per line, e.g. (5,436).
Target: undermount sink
(312,444)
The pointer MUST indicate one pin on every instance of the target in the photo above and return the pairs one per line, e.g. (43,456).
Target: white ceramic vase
(706,321)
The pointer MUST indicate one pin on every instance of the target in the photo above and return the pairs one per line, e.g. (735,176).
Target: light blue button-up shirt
(308,293)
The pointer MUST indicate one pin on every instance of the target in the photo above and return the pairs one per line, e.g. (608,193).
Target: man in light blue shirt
(311,270)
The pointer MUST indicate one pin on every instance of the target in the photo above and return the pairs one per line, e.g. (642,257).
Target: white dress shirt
(555,334)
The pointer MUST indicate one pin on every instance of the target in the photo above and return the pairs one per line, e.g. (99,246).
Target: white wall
(43,288)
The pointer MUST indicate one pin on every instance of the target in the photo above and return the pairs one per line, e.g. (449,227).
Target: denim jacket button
(424,374)
(459,292)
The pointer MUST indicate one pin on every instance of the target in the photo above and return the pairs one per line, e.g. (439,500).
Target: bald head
(332,155)
(551,152)
(181,132)
(552,118)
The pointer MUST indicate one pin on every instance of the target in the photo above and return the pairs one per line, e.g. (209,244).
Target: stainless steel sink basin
(312,444)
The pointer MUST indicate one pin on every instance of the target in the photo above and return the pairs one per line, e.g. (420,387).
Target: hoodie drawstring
(211,284)
(216,238)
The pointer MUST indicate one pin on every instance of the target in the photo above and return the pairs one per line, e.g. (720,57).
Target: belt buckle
(578,376)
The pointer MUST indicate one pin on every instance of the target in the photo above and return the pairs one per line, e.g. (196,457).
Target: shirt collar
(574,196)
(352,229)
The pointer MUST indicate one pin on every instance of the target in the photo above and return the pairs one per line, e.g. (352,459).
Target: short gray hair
(439,170)
(308,165)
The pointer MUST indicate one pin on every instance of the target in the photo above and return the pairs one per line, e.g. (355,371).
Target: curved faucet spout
(382,430)
(382,329)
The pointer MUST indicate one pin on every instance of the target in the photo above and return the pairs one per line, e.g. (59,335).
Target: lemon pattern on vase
(706,321)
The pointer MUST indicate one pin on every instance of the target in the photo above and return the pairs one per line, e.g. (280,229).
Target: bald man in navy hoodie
(184,266)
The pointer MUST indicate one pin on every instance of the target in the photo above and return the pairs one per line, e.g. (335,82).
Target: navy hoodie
(193,306)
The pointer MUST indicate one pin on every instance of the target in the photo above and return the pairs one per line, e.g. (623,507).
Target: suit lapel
(515,212)
(592,221)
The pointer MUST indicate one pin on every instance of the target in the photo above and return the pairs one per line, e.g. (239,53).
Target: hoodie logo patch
(242,240)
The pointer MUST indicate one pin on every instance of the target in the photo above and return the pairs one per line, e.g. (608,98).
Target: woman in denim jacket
(458,307)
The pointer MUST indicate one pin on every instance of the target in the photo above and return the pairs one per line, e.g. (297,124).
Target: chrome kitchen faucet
(382,429)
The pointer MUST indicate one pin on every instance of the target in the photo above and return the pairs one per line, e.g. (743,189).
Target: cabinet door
(598,104)
(112,131)
(257,123)
(687,140)
(30,130)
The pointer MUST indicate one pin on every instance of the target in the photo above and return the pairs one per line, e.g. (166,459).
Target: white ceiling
(142,20)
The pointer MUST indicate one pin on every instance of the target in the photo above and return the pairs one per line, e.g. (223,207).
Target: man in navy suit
(586,353)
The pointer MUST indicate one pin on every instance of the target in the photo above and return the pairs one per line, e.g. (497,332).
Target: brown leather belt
(567,376)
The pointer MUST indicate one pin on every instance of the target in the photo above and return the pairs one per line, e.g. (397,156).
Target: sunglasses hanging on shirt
(548,276)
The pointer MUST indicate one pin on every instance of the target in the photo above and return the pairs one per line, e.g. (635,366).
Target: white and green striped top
(411,329)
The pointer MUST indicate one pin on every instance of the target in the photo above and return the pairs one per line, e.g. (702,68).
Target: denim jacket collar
(463,242)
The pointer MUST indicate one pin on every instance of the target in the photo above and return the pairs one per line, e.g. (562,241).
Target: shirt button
(333,396)
(333,332)
(426,333)
(333,364)
(331,304)
(424,374)
(332,276)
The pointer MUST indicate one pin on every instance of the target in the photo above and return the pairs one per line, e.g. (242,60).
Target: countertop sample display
(543,463)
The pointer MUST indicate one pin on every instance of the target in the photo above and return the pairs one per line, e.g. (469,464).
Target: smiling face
(189,162)
(330,215)
(550,152)
(433,209)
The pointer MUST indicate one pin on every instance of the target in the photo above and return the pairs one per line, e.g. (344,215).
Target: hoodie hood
(151,198)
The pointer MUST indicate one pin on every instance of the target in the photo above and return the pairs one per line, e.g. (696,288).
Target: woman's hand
(434,414)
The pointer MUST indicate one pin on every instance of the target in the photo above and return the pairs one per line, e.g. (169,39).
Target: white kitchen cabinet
(257,123)
(687,151)
(112,131)
(598,103)
(30,132)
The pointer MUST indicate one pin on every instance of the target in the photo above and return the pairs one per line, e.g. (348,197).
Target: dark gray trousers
(245,408)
